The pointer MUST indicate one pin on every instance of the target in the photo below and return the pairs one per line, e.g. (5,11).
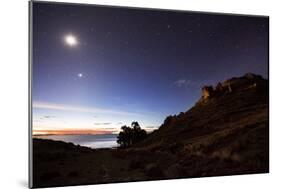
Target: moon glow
(70,40)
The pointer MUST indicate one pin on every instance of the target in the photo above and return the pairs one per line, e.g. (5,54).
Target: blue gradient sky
(137,65)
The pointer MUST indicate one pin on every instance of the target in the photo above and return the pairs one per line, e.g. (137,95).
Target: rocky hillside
(229,123)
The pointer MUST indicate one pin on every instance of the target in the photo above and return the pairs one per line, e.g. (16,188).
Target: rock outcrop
(234,84)
(207,92)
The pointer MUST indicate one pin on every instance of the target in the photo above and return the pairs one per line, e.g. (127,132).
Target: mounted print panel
(124,94)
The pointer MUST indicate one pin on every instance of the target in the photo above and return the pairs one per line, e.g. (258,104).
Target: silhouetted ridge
(219,107)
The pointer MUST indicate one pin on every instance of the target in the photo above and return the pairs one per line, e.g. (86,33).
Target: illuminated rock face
(207,91)
(233,85)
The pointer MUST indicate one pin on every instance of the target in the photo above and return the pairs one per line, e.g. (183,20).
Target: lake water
(92,141)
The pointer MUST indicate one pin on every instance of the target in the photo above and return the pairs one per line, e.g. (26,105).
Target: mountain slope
(228,127)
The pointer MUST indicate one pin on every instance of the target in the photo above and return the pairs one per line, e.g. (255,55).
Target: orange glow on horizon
(72,132)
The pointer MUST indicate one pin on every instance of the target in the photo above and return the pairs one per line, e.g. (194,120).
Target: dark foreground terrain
(225,133)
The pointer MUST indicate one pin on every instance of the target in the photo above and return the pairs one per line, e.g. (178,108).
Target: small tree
(131,135)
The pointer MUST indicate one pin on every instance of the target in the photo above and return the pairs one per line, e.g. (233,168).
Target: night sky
(98,68)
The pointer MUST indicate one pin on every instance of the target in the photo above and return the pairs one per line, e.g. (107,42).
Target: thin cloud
(181,82)
(102,123)
(110,129)
(63,107)
(189,83)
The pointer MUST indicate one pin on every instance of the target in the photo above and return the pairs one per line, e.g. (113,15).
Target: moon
(70,40)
